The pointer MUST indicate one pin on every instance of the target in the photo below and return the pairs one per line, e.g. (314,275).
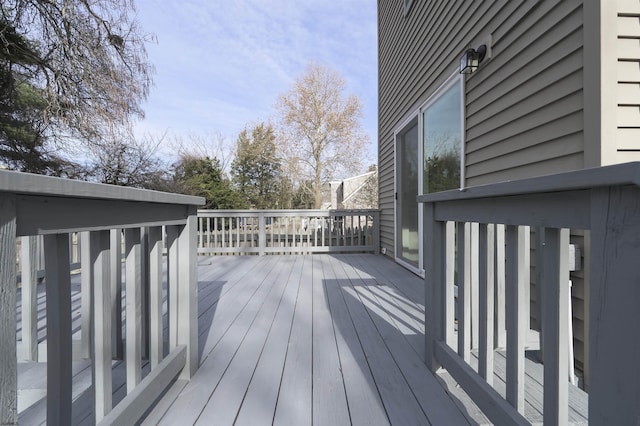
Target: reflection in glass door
(407,178)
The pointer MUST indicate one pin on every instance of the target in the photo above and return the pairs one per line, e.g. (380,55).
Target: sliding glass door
(428,158)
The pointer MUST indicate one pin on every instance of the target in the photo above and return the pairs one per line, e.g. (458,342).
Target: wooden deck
(301,340)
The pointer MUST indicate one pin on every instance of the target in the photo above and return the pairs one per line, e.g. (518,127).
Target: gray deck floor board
(402,363)
(295,398)
(261,396)
(302,340)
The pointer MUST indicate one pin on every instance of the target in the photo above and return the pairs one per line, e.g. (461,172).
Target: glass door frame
(417,116)
(415,119)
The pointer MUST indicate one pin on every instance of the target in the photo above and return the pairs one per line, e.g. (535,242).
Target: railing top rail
(616,175)
(30,184)
(300,212)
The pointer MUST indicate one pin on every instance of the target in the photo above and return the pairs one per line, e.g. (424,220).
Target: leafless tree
(88,56)
(121,159)
(203,145)
(321,134)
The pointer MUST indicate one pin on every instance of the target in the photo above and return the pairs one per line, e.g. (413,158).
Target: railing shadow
(390,333)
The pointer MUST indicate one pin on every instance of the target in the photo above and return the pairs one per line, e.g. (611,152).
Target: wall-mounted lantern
(471,59)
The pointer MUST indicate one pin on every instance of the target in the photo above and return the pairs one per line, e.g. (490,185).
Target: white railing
(287,231)
(54,208)
(605,201)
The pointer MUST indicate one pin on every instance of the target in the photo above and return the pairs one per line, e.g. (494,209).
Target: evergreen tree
(204,177)
(23,129)
(256,169)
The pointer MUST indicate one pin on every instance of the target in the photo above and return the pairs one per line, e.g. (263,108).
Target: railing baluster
(286,233)
(500,327)
(517,278)
(222,231)
(208,221)
(215,230)
(172,277)
(464,288)
(86,292)
(116,293)
(145,326)
(272,224)
(351,220)
(262,233)
(475,318)
(556,280)
(156,353)
(59,350)
(133,288)
(29,248)
(486,302)
(102,323)
(239,224)
(450,269)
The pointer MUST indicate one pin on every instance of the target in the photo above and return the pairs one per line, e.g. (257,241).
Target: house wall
(541,104)
(524,114)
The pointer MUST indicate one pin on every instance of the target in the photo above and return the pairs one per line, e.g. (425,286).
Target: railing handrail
(50,186)
(602,200)
(597,177)
(294,212)
(32,205)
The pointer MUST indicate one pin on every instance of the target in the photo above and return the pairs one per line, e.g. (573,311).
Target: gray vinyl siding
(628,81)
(524,108)
(524,105)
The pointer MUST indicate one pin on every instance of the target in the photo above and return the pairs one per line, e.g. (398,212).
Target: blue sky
(222,64)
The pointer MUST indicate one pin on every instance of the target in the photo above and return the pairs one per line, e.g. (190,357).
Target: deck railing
(604,201)
(287,231)
(54,208)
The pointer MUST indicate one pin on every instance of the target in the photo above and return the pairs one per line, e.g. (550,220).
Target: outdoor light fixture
(471,59)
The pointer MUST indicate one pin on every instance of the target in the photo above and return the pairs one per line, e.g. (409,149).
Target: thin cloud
(221,65)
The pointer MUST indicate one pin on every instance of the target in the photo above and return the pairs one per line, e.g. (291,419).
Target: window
(442,140)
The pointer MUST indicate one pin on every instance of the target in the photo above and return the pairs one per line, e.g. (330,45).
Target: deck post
(614,389)
(29,285)
(8,358)
(59,351)
(188,295)
(434,276)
